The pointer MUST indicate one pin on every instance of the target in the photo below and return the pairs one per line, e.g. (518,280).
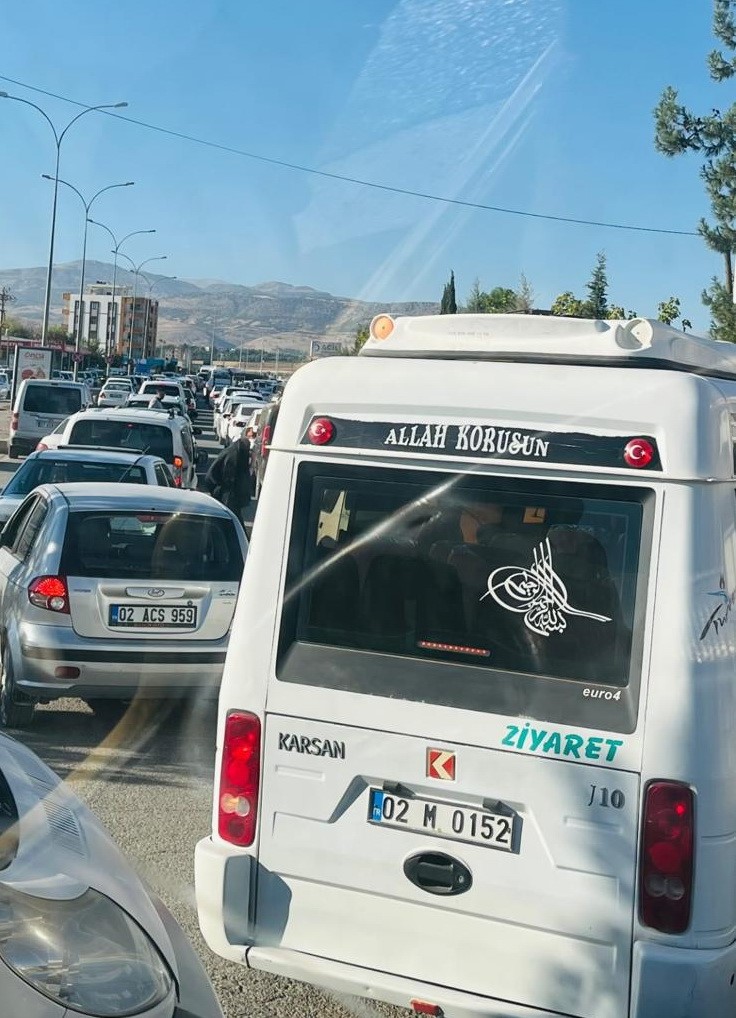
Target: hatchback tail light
(667,849)
(14,421)
(239,779)
(178,464)
(265,438)
(41,447)
(51,593)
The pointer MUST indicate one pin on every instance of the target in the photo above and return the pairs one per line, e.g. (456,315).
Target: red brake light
(321,431)
(239,779)
(667,849)
(424,1007)
(638,453)
(14,421)
(49,592)
(41,447)
(265,437)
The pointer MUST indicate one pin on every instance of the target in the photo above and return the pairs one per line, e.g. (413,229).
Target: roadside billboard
(31,362)
(321,348)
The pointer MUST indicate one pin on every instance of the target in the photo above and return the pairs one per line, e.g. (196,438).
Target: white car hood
(63,848)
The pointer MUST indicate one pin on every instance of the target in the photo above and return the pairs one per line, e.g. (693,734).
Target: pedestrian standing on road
(228,479)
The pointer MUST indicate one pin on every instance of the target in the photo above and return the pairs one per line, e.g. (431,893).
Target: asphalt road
(150,782)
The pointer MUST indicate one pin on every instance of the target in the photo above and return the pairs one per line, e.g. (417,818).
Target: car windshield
(142,436)
(152,546)
(48,470)
(52,400)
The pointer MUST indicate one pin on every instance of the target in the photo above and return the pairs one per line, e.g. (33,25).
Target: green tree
(15,327)
(361,337)
(569,306)
(474,303)
(448,305)
(596,305)
(500,300)
(617,311)
(524,296)
(58,334)
(719,301)
(713,136)
(668,311)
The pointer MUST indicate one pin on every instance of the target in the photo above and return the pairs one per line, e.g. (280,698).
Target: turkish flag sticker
(440,764)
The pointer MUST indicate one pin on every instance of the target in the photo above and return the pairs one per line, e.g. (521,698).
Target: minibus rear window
(487,576)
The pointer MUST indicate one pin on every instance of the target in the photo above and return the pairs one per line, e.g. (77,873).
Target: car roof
(141,497)
(122,414)
(67,452)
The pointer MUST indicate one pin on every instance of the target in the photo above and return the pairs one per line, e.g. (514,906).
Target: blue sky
(542,105)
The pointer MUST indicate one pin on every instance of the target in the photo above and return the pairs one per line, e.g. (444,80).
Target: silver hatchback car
(113,592)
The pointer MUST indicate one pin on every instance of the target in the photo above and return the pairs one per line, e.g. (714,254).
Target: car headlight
(87,954)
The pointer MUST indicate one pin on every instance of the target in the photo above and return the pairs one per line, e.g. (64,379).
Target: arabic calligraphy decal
(537,593)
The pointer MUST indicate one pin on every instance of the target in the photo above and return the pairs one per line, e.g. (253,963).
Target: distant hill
(269,314)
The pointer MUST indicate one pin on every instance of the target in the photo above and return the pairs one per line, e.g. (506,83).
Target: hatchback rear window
(139,435)
(52,400)
(475,592)
(61,471)
(152,388)
(151,546)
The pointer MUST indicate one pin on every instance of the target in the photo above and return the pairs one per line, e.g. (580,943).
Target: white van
(40,405)
(476,745)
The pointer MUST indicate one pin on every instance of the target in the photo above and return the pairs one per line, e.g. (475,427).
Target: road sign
(440,765)
(321,348)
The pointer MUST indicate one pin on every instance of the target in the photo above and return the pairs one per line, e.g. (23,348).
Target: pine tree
(448,304)
(679,130)
(596,306)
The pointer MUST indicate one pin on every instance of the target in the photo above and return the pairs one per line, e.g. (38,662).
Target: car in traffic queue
(114,592)
(227,406)
(174,389)
(261,445)
(81,935)
(40,405)
(114,392)
(80,465)
(244,417)
(167,435)
(475,742)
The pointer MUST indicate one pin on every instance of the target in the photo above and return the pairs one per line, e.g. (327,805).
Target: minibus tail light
(667,849)
(239,779)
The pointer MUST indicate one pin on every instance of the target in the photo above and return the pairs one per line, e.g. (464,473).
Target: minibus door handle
(438,873)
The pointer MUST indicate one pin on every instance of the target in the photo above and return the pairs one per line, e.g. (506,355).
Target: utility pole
(5,298)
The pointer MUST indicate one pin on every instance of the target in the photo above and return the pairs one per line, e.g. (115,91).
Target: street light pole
(87,206)
(136,273)
(112,318)
(58,139)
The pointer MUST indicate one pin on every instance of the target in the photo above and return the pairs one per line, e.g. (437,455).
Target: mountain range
(190,311)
